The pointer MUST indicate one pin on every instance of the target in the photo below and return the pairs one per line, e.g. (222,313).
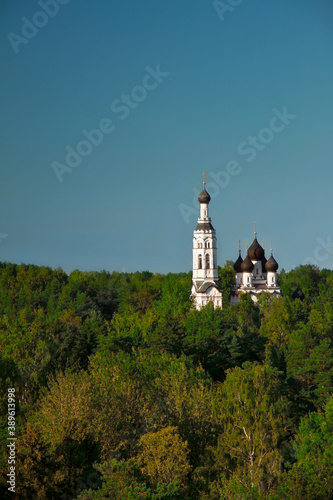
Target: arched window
(199,262)
(208,245)
(257,271)
(207,261)
(248,279)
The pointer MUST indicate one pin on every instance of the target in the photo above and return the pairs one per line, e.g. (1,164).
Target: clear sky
(242,90)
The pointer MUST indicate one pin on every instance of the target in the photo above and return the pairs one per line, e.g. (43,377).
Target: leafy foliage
(125,392)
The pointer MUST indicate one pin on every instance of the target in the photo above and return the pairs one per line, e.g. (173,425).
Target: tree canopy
(124,391)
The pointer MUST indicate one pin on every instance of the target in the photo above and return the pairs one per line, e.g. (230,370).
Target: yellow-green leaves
(164,456)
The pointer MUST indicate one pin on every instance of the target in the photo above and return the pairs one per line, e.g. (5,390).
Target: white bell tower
(205,287)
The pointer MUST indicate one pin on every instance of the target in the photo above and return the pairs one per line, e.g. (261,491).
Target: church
(254,275)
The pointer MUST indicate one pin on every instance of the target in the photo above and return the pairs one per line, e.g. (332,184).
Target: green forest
(124,392)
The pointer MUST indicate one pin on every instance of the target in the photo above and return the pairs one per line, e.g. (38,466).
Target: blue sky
(128,204)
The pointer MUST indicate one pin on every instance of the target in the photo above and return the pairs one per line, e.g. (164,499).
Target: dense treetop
(125,392)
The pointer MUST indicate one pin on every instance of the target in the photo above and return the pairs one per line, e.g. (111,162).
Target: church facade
(254,275)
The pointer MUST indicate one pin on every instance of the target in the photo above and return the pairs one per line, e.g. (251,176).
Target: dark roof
(204,197)
(271,265)
(198,284)
(237,264)
(256,252)
(298,293)
(247,265)
(204,226)
(207,284)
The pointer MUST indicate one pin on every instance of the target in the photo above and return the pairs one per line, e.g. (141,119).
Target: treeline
(125,392)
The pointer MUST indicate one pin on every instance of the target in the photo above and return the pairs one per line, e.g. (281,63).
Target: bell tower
(205,287)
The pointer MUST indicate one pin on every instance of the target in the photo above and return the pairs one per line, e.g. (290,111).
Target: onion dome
(238,263)
(256,251)
(247,265)
(204,197)
(271,265)
(263,263)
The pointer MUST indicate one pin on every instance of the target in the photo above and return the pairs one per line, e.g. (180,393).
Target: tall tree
(250,407)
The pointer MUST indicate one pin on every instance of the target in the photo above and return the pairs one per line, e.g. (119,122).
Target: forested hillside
(125,392)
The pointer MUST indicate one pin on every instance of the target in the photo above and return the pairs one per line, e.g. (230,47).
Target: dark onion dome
(271,265)
(256,251)
(247,265)
(237,264)
(263,263)
(204,197)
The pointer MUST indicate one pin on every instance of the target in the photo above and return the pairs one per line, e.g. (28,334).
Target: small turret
(271,268)
(237,267)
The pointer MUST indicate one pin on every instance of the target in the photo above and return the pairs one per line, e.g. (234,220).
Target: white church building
(254,275)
